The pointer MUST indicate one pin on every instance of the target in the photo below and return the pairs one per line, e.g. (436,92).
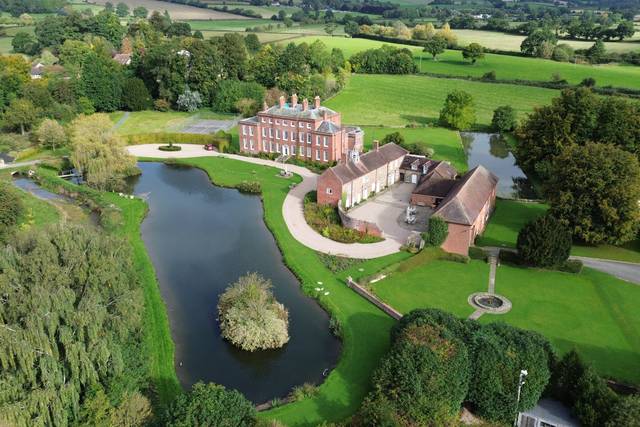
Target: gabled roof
(369,161)
(468,196)
(122,58)
(438,181)
(328,127)
(297,111)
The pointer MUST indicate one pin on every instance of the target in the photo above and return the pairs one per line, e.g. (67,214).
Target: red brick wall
(325,181)
(422,200)
(458,240)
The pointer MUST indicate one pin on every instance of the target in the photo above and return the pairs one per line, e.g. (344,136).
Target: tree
(179,29)
(101,81)
(210,405)
(140,12)
(596,52)
(544,242)
(231,91)
(624,30)
(351,28)
(538,43)
(11,208)
(435,46)
(75,329)
(422,381)
(563,53)
(330,28)
(51,134)
(504,119)
(26,43)
(626,412)
(250,316)
(595,189)
(395,137)
(20,114)
(252,42)
(458,111)
(189,100)
(122,10)
(473,52)
(499,352)
(135,95)
(437,232)
(99,153)
(108,6)
(446,33)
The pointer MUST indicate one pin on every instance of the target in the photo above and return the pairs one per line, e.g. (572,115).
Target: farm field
(5,45)
(590,311)
(501,41)
(505,67)
(228,24)
(446,143)
(385,100)
(177,11)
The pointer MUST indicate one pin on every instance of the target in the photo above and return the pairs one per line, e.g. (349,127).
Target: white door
(414,179)
(285,150)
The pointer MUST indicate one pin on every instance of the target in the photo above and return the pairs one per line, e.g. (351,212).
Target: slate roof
(37,70)
(411,159)
(369,161)
(122,58)
(328,127)
(468,196)
(297,112)
(438,181)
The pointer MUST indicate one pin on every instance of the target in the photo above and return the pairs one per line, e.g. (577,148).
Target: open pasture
(177,11)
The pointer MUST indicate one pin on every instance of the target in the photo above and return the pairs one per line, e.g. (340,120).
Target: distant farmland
(177,11)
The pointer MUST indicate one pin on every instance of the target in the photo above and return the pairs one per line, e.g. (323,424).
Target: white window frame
(244,130)
(309,152)
(325,156)
(264,120)
(284,122)
(285,135)
(324,141)
(264,132)
(292,124)
(293,136)
(277,133)
(317,139)
(318,155)
(244,143)
(308,138)
(251,131)
(308,125)
(301,124)
(301,137)
(251,144)
(270,120)
(277,121)
(301,150)
(270,132)
(329,190)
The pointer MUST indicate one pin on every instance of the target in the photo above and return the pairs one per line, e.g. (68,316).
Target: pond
(494,153)
(200,239)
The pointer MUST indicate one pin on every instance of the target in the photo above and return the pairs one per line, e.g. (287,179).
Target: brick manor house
(310,132)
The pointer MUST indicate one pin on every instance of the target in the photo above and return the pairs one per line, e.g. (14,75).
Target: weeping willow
(98,153)
(70,321)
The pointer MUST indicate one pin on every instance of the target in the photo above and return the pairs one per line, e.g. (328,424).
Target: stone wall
(374,299)
(357,224)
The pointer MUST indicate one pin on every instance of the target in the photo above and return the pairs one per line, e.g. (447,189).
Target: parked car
(209,147)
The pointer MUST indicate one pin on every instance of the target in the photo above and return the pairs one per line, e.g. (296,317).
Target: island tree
(458,111)
(250,316)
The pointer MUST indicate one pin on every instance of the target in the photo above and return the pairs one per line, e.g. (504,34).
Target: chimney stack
(324,115)
(317,101)
(294,100)
(282,102)
(305,104)
(376,144)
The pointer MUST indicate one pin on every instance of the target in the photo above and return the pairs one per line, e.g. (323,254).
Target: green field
(229,24)
(506,67)
(591,311)
(502,41)
(446,143)
(157,121)
(387,100)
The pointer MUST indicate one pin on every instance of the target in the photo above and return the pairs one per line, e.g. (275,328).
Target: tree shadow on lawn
(620,365)
(419,119)
(350,373)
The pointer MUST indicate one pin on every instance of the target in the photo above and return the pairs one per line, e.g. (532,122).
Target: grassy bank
(392,100)
(365,329)
(592,312)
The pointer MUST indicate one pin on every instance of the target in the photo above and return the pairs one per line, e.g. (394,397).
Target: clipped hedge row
(220,140)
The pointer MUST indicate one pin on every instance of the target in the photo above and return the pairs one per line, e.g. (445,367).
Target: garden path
(292,208)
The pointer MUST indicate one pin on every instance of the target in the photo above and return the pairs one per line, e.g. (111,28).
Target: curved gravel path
(292,208)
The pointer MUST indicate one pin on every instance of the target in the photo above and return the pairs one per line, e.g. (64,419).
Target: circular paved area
(292,208)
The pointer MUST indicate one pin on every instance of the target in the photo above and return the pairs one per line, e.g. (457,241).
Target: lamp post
(521,381)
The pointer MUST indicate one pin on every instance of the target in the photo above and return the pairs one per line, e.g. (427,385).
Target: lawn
(446,143)
(591,311)
(505,66)
(365,328)
(158,121)
(507,220)
(510,216)
(392,100)
(5,45)
(502,41)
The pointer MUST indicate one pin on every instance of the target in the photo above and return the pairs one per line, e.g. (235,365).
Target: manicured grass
(441,284)
(591,311)
(506,67)
(502,41)
(446,143)
(392,100)
(5,45)
(158,121)
(365,328)
(510,216)
(507,220)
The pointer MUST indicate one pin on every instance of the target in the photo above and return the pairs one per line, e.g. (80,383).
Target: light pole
(521,381)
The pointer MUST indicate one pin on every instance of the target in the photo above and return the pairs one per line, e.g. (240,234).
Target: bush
(422,381)
(504,119)
(251,187)
(135,95)
(544,242)
(161,105)
(437,232)
(247,107)
(477,253)
(448,256)
(571,266)
(563,53)
(210,405)
(499,353)
(250,316)
(169,148)
(11,208)
(231,91)
(395,137)
(462,329)
(189,100)
(458,111)
(490,76)
(304,391)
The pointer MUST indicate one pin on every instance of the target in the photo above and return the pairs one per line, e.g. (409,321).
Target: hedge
(220,140)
